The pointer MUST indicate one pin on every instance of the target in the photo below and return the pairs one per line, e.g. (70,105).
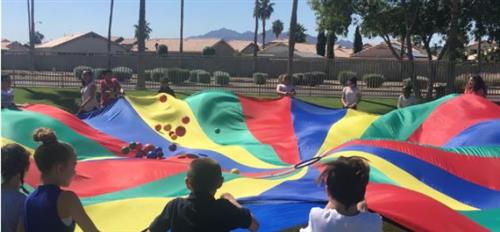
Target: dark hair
(15,160)
(106,71)
(51,151)
(354,81)
(346,179)
(204,174)
(478,83)
(407,87)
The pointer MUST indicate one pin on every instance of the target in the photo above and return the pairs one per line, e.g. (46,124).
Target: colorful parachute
(434,166)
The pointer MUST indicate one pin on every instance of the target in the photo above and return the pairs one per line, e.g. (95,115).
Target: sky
(56,18)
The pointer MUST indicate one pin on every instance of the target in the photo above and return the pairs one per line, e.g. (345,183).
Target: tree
(277,28)
(31,28)
(162,50)
(264,12)
(109,32)
(256,31)
(334,17)
(38,37)
(147,30)
(292,37)
(300,34)
(330,45)
(321,43)
(141,30)
(181,42)
(358,41)
(208,51)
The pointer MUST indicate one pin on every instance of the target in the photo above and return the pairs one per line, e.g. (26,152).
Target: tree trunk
(181,42)
(109,33)
(452,46)
(432,68)
(263,33)
(31,19)
(141,82)
(479,55)
(256,31)
(391,48)
(291,37)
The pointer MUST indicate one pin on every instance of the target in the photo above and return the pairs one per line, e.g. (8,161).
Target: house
(243,47)
(472,50)
(13,46)
(382,51)
(190,46)
(87,43)
(303,50)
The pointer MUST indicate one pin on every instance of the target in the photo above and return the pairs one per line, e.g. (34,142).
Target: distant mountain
(228,34)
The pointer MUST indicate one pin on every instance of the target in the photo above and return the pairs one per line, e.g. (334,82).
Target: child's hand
(362,206)
(227,196)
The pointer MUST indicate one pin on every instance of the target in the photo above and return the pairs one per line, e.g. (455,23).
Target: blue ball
(158,149)
(159,155)
(151,154)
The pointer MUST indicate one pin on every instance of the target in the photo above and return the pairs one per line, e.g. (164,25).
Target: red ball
(163,98)
(167,127)
(185,120)
(158,127)
(138,146)
(180,131)
(148,147)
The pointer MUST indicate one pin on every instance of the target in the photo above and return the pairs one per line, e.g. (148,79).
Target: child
(406,99)
(110,88)
(346,179)
(285,87)
(351,95)
(7,92)
(200,211)
(49,208)
(476,86)
(164,88)
(88,91)
(15,163)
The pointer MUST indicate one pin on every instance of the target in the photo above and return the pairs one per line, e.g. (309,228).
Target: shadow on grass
(66,99)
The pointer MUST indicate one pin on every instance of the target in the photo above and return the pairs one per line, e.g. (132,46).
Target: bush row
(121,73)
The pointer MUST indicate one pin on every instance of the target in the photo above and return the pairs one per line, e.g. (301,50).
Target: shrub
(158,73)
(98,72)
(208,51)
(123,73)
(147,75)
(298,79)
(221,78)
(162,50)
(77,71)
(204,77)
(373,80)
(314,78)
(344,76)
(177,75)
(422,82)
(193,75)
(260,78)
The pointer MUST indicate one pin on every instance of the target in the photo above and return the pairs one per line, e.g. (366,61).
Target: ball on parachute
(180,131)
(163,98)
(185,120)
(158,127)
(167,127)
(217,130)
(148,147)
(151,155)
(172,147)
(235,171)
(138,146)
(125,150)
(139,154)
(132,145)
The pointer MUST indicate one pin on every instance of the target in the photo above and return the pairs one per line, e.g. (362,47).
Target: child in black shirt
(200,211)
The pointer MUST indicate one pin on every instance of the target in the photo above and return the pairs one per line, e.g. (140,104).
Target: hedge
(260,78)
(344,76)
(204,77)
(373,80)
(158,73)
(77,71)
(193,75)
(98,72)
(123,73)
(177,75)
(221,78)
(422,82)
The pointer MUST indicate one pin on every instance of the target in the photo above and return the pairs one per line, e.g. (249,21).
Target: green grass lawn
(68,99)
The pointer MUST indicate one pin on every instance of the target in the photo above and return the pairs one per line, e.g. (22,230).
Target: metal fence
(53,71)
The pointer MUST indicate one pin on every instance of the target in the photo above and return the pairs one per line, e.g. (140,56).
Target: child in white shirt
(351,95)
(285,87)
(346,179)
(406,99)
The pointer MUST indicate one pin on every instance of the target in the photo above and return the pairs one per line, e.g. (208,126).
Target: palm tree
(277,28)
(182,27)
(109,32)
(141,82)
(291,37)
(265,11)
(256,15)
(31,28)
